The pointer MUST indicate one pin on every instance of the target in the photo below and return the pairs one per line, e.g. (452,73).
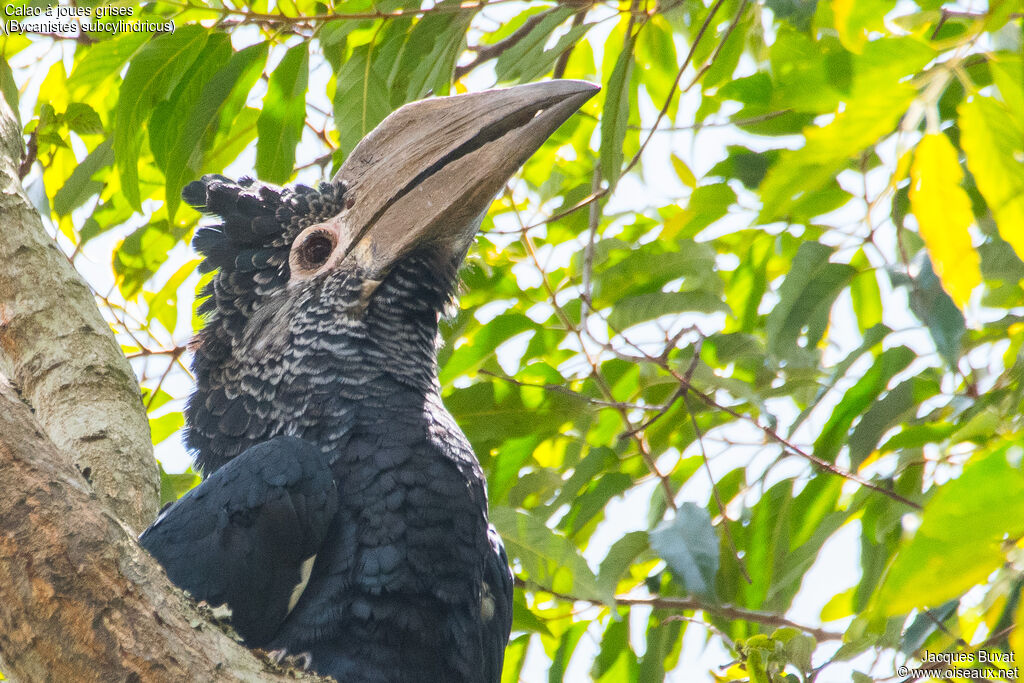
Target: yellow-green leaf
(801,173)
(959,542)
(856,19)
(994,144)
(683,172)
(943,212)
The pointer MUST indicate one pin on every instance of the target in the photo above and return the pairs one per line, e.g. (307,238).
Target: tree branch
(60,353)
(730,612)
(81,601)
(486,52)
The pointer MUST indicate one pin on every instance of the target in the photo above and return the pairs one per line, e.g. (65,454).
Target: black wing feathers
(242,535)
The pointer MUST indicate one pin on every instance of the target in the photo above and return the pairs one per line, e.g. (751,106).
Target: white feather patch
(304,573)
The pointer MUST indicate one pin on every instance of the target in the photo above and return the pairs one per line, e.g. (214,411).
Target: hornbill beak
(429,171)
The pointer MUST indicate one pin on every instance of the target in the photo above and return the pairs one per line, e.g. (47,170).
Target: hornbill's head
(318,291)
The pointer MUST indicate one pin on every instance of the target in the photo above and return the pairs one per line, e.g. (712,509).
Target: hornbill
(343,515)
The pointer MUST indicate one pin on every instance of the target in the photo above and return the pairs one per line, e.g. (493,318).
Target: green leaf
(856,19)
(231,141)
(1008,75)
(152,75)
(515,656)
(663,638)
(683,172)
(102,61)
(705,205)
(586,509)
(165,425)
(550,559)
(482,343)
(925,624)
(619,557)
(747,166)
(994,145)
(727,55)
(174,486)
(933,306)
(767,544)
(184,160)
(749,281)
(856,400)
(866,295)
(167,122)
(805,300)
(163,305)
(797,12)
(877,102)
(9,89)
(615,117)
(539,62)
(689,545)
(656,58)
(359,102)
(284,114)
(566,646)
(428,56)
(614,650)
(647,270)
(798,174)
(509,66)
(83,119)
(886,413)
(80,184)
(802,73)
(634,310)
(141,253)
(959,542)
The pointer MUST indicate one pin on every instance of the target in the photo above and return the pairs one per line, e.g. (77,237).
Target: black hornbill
(343,514)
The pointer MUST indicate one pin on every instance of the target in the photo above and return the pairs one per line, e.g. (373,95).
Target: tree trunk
(58,351)
(80,600)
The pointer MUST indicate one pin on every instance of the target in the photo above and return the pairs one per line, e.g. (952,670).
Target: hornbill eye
(314,249)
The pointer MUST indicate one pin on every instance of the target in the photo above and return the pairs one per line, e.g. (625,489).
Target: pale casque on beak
(429,171)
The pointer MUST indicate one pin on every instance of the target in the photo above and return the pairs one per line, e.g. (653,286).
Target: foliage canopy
(740,350)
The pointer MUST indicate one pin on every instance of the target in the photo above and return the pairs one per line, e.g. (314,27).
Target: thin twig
(675,85)
(487,52)
(563,59)
(730,612)
(595,373)
(593,221)
(687,604)
(718,49)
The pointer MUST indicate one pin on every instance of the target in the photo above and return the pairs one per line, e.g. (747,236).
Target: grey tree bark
(80,600)
(58,351)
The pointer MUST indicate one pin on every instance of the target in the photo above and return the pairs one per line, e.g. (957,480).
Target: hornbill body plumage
(343,513)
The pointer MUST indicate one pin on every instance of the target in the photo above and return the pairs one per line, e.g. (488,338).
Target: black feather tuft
(194,194)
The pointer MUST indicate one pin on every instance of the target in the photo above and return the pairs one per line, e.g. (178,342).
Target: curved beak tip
(433,166)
